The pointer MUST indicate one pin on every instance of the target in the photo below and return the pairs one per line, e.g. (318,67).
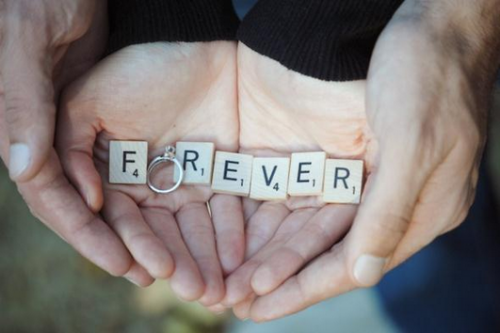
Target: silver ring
(169,156)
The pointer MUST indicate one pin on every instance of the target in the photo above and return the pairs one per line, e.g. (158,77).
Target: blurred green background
(45,286)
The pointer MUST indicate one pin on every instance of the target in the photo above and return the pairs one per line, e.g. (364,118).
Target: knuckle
(472,140)
(62,22)
(15,114)
(392,223)
(20,111)
(318,232)
(304,295)
(72,21)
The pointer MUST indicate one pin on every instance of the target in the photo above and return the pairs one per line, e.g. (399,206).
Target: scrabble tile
(343,181)
(232,173)
(306,174)
(270,178)
(196,159)
(128,162)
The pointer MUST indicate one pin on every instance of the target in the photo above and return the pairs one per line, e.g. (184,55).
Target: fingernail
(19,160)
(262,280)
(133,282)
(369,269)
(87,198)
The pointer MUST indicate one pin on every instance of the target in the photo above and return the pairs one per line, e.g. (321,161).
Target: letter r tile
(306,174)
(232,173)
(270,178)
(343,181)
(128,162)
(196,159)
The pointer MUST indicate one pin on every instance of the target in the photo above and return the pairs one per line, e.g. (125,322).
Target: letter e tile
(232,173)
(306,174)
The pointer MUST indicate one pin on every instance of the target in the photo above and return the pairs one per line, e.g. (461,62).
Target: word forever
(260,178)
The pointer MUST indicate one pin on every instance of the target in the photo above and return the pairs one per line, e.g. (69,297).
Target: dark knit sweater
(325,39)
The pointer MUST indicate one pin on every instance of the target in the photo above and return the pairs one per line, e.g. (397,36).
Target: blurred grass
(46,287)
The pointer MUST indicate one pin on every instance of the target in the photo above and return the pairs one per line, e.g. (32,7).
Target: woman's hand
(160,93)
(282,112)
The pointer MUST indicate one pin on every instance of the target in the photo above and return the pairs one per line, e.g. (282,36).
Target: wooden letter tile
(196,159)
(128,162)
(232,173)
(306,174)
(270,178)
(343,181)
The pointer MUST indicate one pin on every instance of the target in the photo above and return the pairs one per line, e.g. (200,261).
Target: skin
(421,162)
(45,45)
(421,134)
(160,93)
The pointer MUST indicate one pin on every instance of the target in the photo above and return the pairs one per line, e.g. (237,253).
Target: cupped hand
(421,135)
(161,93)
(282,112)
(46,44)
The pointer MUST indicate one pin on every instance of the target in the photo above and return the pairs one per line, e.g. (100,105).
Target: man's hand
(421,137)
(41,49)
(160,93)
(45,44)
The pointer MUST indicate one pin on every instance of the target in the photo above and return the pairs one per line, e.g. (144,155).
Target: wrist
(465,30)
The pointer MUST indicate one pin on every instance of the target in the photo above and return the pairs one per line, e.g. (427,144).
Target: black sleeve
(326,39)
(145,21)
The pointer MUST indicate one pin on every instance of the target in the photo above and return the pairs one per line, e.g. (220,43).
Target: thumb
(77,131)
(384,217)
(29,107)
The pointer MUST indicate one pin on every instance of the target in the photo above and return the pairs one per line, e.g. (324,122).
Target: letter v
(267,179)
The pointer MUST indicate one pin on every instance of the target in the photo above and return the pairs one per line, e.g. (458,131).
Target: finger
(29,102)
(198,233)
(123,215)
(55,202)
(76,135)
(186,281)
(445,207)
(217,309)
(319,234)
(227,216)
(238,284)
(263,225)
(383,217)
(324,278)
(250,206)
(139,276)
(242,310)
(78,60)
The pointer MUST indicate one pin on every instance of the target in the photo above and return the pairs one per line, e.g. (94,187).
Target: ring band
(169,156)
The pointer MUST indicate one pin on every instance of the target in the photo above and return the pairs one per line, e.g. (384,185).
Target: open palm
(282,112)
(160,93)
